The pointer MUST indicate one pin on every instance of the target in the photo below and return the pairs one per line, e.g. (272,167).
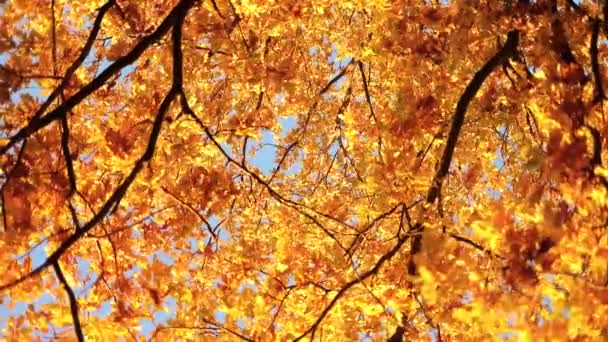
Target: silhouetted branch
(65,147)
(341,138)
(37,123)
(595,65)
(474,244)
(217,9)
(384,258)
(175,19)
(372,223)
(86,49)
(508,50)
(282,160)
(297,206)
(366,89)
(73,301)
(428,318)
(276,314)
(193,210)
(397,336)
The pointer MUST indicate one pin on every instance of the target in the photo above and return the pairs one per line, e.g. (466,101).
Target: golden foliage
(287,170)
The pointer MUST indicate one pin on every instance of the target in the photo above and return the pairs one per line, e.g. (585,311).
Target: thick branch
(368,97)
(507,51)
(73,301)
(595,65)
(110,203)
(177,17)
(37,123)
(65,147)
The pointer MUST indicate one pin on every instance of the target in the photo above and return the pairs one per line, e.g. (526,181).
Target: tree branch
(366,89)
(384,258)
(598,95)
(73,301)
(175,19)
(37,123)
(86,49)
(507,51)
(65,147)
(193,210)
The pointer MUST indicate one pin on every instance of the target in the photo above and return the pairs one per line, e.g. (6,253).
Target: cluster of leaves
(438,169)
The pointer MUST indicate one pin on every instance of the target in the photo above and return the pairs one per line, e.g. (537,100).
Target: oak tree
(303,170)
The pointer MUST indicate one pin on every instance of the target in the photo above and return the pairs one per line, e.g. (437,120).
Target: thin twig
(383,259)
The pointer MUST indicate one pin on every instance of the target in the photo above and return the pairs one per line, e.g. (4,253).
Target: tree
(438,169)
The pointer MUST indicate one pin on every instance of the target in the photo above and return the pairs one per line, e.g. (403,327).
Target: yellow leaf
(428,286)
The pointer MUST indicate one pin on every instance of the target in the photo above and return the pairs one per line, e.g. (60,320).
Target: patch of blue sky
(365,337)
(224,236)
(287,124)
(499,161)
(494,193)
(434,334)
(246,285)
(147,326)
(104,310)
(10,308)
(163,316)
(241,323)
(32,88)
(297,166)
(262,276)
(162,257)
(264,157)
(508,335)
(130,273)
(547,303)
(467,297)
(220,316)
(338,63)
(193,244)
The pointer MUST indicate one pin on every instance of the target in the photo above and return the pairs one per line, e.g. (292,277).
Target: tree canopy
(303,170)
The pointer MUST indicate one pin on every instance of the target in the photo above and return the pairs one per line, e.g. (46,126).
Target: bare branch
(595,64)
(73,301)
(175,19)
(374,270)
(508,50)
(193,210)
(37,123)
(367,95)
